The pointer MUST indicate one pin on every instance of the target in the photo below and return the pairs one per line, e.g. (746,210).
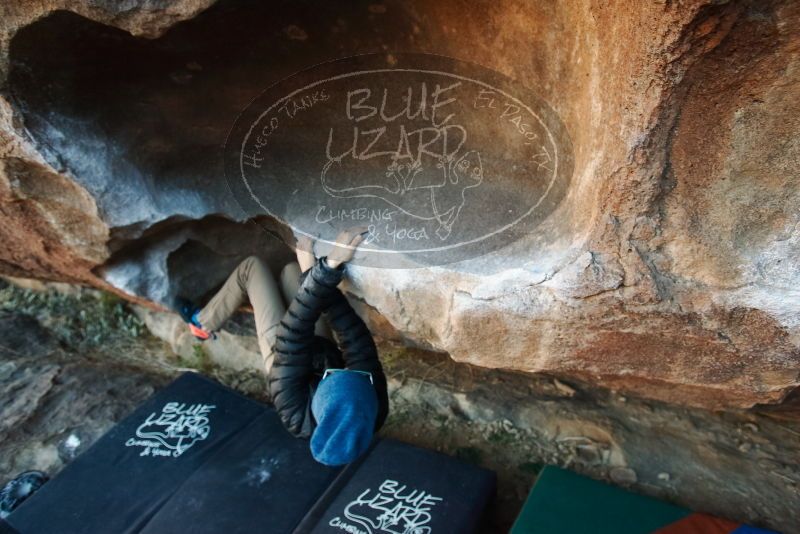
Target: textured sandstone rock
(670,270)
(59,404)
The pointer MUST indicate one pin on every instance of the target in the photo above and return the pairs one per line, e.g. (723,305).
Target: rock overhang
(617,285)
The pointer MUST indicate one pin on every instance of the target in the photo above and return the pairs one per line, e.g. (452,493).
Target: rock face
(58,405)
(668,270)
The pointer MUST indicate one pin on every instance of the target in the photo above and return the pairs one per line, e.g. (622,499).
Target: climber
(336,397)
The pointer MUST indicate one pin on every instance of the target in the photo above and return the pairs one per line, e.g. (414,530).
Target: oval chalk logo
(441,159)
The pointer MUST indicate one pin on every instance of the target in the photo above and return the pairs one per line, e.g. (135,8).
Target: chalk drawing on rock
(423,200)
(443,160)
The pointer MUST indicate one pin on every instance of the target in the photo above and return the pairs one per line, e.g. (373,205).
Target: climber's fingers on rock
(346,244)
(305,243)
(352,237)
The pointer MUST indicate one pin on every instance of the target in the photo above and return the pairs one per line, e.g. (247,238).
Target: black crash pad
(402,489)
(265,480)
(198,457)
(133,470)
(5,528)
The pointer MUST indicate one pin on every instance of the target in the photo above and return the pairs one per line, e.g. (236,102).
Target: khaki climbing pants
(253,281)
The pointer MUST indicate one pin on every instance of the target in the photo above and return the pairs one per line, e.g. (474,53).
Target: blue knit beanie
(345,407)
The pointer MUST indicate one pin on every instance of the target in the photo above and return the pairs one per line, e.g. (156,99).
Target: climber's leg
(252,280)
(290,284)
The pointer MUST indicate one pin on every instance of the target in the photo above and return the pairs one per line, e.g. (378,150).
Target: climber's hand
(304,249)
(346,244)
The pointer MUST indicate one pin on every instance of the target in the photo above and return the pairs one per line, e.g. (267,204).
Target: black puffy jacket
(301,357)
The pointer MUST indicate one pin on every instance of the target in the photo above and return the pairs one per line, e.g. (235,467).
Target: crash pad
(198,457)
(262,480)
(120,483)
(564,501)
(401,489)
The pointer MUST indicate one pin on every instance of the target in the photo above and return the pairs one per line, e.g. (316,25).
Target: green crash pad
(565,502)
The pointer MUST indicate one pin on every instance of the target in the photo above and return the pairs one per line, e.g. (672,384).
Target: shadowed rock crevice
(190,258)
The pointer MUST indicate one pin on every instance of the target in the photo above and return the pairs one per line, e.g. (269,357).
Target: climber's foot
(199,333)
(189,312)
(20,488)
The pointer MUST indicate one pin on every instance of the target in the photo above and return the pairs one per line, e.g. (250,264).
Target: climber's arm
(291,374)
(292,369)
(358,348)
(354,338)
